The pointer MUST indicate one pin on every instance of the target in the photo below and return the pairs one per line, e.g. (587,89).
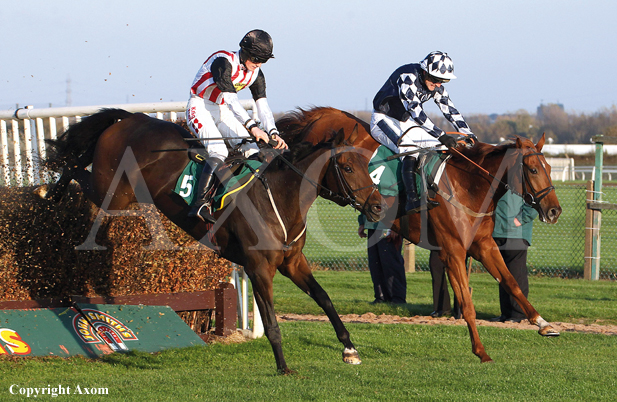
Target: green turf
(401,362)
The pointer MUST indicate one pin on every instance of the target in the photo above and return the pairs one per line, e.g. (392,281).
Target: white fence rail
(562,169)
(23,133)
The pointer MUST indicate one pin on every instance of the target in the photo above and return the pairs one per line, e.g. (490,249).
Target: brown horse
(463,222)
(263,229)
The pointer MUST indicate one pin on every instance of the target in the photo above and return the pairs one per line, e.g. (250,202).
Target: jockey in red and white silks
(214,111)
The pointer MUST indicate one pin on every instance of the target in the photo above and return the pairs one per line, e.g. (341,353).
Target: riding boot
(206,181)
(413,204)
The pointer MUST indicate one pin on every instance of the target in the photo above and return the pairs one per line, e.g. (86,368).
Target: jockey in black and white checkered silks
(400,123)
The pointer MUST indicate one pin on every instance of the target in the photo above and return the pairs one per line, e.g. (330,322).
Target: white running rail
(23,133)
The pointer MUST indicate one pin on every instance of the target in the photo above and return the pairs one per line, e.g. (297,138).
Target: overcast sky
(508,55)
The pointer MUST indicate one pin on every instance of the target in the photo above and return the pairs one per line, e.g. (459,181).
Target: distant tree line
(551,119)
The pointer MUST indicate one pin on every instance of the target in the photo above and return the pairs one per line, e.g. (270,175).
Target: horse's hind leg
(494,264)
(54,192)
(457,274)
(300,273)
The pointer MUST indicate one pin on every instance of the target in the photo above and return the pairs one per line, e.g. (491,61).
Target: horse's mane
(299,150)
(296,125)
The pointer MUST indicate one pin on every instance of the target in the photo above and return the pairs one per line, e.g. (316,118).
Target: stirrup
(414,206)
(198,211)
(204,214)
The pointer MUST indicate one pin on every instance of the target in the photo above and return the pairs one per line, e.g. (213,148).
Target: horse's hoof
(548,331)
(351,356)
(486,359)
(287,371)
(42,191)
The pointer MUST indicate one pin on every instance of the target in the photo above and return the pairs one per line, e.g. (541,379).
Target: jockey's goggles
(258,59)
(437,80)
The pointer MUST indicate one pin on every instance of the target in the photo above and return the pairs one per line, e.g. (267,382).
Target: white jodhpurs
(211,120)
(388,131)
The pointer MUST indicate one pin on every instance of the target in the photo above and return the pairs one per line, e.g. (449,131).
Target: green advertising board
(92,330)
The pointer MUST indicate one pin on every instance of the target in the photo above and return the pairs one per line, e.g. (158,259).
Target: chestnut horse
(263,229)
(463,223)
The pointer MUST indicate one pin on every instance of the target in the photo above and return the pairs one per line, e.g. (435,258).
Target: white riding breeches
(388,131)
(210,120)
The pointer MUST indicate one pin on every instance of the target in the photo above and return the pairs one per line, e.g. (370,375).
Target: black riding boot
(413,204)
(206,181)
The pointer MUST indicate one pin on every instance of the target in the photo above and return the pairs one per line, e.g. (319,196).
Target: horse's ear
(540,143)
(339,138)
(354,135)
(519,143)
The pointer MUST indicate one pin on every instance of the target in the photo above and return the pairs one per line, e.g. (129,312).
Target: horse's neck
(303,184)
(482,189)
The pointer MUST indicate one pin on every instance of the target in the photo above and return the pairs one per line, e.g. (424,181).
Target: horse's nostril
(553,214)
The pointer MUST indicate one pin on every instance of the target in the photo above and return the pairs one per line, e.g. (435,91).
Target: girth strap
(450,198)
(278,216)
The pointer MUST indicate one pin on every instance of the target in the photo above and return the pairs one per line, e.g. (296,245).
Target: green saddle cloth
(188,180)
(387,173)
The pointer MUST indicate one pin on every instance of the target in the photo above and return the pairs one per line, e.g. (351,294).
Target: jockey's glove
(447,140)
(471,139)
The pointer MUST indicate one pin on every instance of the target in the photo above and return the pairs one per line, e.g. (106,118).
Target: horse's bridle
(528,191)
(348,196)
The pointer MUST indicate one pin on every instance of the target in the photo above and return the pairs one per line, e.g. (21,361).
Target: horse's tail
(75,147)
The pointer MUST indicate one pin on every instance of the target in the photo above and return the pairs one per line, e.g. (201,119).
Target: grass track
(401,362)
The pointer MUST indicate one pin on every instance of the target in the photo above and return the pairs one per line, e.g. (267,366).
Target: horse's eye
(533,171)
(347,169)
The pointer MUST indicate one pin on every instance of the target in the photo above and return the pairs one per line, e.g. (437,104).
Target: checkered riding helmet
(258,46)
(439,65)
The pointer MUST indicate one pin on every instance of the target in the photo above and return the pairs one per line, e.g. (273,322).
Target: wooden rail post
(409,256)
(225,313)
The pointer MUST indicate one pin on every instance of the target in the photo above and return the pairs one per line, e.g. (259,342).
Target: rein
(348,197)
(533,195)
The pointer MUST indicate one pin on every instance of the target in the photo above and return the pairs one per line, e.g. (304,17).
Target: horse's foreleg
(261,279)
(494,264)
(457,274)
(300,273)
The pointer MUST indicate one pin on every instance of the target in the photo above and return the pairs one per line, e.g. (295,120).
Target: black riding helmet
(257,46)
